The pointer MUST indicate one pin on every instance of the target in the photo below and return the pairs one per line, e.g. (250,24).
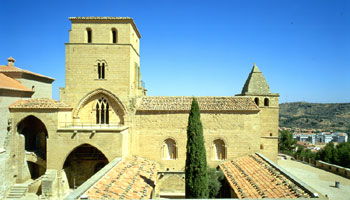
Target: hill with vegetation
(330,116)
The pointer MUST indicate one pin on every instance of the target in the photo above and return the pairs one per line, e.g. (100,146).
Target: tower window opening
(261,146)
(102,111)
(256,101)
(101,70)
(89,35)
(266,102)
(114,35)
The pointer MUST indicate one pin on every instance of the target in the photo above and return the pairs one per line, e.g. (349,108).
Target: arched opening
(266,102)
(83,162)
(35,135)
(219,150)
(114,35)
(89,35)
(256,101)
(86,110)
(261,146)
(169,149)
(35,170)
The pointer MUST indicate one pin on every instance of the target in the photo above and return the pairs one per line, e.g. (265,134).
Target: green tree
(196,177)
(286,142)
(214,181)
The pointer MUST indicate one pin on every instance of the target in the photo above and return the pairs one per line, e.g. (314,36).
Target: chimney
(11,61)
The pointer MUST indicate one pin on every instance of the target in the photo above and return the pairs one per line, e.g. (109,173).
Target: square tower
(103,52)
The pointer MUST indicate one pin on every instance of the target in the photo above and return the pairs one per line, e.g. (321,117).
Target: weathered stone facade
(104,113)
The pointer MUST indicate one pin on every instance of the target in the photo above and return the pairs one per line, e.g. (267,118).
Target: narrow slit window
(103,71)
(114,36)
(89,35)
(99,70)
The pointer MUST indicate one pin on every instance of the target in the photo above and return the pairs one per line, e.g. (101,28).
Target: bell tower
(102,53)
(258,89)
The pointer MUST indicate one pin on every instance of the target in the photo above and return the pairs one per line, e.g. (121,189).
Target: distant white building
(305,137)
(340,137)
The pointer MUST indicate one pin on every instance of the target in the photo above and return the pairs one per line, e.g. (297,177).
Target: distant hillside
(332,116)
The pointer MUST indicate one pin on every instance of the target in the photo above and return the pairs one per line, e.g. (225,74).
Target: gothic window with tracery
(102,111)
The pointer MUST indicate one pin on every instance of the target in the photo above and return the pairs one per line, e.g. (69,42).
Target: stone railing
(88,125)
(342,171)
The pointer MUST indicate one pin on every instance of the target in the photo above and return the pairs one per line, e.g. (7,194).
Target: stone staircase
(17,191)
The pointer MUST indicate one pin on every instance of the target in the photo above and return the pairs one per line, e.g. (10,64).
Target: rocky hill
(332,116)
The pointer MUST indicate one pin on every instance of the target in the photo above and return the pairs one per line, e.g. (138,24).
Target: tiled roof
(133,178)
(253,178)
(12,84)
(183,103)
(41,103)
(6,68)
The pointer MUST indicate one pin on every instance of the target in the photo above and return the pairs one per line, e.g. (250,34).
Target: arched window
(169,150)
(266,102)
(114,36)
(101,70)
(219,150)
(261,146)
(102,111)
(256,101)
(89,35)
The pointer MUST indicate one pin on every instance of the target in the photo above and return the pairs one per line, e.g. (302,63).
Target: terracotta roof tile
(132,178)
(12,84)
(41,103)
(183,103)
(6,68)
(252,177)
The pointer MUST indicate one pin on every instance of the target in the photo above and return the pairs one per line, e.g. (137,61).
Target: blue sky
(199,47)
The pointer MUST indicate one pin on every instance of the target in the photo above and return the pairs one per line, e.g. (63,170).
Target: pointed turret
(256,83)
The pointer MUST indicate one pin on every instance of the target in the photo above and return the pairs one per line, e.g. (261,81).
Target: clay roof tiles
(12,84)
(6,68)
(41,103)
(253,178)
(183,103)
(132,178)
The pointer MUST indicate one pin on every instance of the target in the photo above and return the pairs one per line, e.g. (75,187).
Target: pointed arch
(100,91)
(82,162)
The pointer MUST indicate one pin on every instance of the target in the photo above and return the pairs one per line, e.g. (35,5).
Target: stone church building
(104,114)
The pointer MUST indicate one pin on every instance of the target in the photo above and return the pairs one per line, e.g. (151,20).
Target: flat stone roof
(319,179)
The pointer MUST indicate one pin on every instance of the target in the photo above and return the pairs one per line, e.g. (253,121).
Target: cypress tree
(196,178)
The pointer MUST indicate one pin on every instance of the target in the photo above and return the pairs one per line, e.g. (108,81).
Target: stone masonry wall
(239,131)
